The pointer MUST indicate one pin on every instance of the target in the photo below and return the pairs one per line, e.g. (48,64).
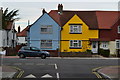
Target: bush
(105,53)
(88,51)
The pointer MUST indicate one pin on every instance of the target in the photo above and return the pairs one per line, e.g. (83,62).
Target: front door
(94,47)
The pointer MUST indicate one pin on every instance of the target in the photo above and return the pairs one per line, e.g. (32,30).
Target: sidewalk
(110,72)
(7,72)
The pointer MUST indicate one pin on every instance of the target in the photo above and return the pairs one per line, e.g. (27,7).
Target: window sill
(75,33)
(75,47)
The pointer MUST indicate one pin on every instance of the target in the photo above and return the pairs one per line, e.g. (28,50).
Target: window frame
(46,43)
(105,44)
(118,41)
(119,29)
(79,44)
(48,27)
(75,26)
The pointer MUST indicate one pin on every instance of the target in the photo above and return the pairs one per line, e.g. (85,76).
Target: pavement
(109,72)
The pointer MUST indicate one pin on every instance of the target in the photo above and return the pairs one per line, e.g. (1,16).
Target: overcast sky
(32,9)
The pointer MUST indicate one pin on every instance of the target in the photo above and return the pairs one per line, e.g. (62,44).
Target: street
(57,68)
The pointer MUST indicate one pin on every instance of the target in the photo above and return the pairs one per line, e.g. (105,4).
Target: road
(57,68)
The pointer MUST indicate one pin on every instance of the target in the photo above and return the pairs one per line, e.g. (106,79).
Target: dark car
(26,51)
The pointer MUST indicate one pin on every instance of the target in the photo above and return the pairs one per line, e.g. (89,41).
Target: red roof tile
(89,17)
(94,19)
(9,25)
(23,33)
(106,19)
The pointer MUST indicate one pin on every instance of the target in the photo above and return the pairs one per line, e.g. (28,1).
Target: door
(94,47)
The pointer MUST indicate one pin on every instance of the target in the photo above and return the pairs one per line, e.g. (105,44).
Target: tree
(9,16)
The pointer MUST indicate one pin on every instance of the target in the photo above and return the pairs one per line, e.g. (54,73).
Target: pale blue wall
(36,36)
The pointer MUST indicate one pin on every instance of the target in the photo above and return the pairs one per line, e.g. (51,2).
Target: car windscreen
(35,49)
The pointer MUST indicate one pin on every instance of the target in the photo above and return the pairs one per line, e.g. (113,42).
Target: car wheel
(22,56)
(43,56)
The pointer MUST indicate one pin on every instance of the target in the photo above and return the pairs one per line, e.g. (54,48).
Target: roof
(9,25)
(87,16)
(106,19)
(23,33)
(94,19)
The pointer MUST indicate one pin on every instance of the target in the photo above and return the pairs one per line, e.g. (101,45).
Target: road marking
(30,76)
(56,66)
(46,76)
(58,75)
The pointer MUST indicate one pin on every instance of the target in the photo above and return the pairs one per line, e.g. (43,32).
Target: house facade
(44,33)
(77,28)
(22,36)
(109,35)
(0,29)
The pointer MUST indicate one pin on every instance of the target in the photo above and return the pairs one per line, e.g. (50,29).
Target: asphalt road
(59,69)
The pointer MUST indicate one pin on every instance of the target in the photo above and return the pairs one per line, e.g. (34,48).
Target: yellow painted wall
(86,34)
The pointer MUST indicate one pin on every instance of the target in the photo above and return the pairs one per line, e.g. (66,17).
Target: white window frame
(118,42)
(72,28)
(118,29)
(48,27)
(104,44)
(46,43)
(79,45)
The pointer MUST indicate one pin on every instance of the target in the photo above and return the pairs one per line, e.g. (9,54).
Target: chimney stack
(43,11)
(60,8)
(19,29)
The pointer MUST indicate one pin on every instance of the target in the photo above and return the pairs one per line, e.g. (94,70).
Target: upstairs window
(75,43)
(46,29)
(117,44)
(118,29)
(75,28)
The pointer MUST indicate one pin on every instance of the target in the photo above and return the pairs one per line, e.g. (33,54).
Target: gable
(45,19)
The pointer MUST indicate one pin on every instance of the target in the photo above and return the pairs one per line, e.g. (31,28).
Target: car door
(34,51)
(27,51)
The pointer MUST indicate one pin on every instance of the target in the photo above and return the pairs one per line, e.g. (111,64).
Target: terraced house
(76,31)
(44,33)
(78,27)
(83,30)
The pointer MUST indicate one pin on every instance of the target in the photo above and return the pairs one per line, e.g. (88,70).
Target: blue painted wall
(36,36)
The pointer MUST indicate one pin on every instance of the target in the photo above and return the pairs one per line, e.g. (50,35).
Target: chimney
(19,29)
(43,11)
(60,8)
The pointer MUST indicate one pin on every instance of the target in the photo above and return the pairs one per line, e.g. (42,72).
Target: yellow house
(75,35)
(79,30)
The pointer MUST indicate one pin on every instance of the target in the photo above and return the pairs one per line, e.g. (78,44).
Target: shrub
(105,53)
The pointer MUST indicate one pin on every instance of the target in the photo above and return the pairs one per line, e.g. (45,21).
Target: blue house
(44,33)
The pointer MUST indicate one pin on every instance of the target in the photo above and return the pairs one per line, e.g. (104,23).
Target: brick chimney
(19,29)
(60,8)
(43,11)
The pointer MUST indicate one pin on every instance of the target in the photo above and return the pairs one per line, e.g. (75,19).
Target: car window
(26,48)
(34,48)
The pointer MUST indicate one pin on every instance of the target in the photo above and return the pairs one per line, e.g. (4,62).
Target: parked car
(26,51)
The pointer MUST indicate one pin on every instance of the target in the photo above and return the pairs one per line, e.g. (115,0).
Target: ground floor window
(104,45)
(117,44)
(46,43)
(75,43)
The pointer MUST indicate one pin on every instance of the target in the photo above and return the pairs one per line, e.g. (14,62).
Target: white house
(22,36)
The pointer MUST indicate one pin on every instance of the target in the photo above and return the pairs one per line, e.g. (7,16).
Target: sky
(32,9)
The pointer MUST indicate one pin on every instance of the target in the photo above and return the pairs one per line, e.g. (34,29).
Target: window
(118,29)
(75,43)
(46,29)
(46,43)
(117,44)
(105,45)
(75,29)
